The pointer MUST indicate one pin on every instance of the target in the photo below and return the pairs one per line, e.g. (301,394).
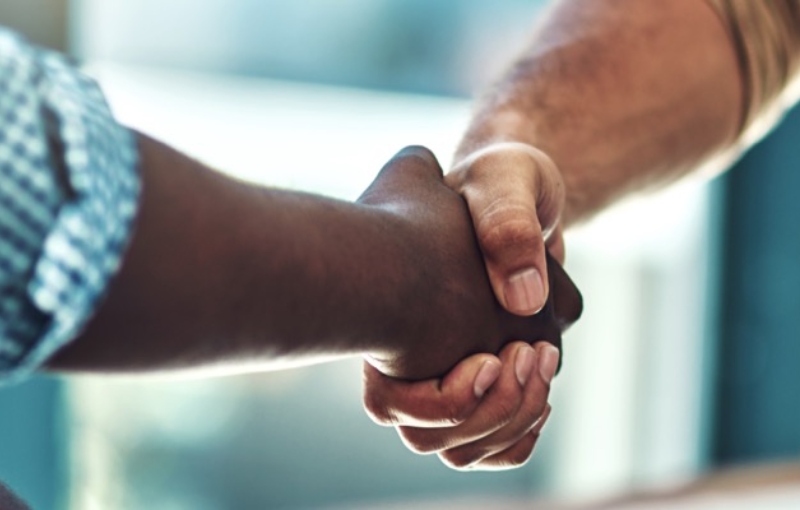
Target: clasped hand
(489,371)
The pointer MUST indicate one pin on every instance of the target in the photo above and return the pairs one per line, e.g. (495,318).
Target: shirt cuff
(82,250)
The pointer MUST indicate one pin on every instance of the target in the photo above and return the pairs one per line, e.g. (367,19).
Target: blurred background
(686,359)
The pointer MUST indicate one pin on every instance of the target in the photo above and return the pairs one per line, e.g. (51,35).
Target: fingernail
(487,375)
(525,292)
(548,362)
(523,367)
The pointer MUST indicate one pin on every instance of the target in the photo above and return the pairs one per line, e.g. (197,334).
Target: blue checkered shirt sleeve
(68,194)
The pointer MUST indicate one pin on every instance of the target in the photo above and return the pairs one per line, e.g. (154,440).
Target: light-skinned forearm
(623,95)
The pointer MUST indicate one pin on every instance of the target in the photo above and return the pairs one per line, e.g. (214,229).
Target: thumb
(515,196)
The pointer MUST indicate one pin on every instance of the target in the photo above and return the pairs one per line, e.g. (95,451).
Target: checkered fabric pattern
(68,194)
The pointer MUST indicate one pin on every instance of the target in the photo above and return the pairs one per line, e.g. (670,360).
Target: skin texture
(232,275)
(611,97)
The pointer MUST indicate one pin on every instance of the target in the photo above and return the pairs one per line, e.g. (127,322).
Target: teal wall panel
(31,460)
(758,385)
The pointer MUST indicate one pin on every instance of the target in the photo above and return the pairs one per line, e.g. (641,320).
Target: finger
(516,455)
(533,408)
(411,168)
(498,407)
(515,195)
(433,402)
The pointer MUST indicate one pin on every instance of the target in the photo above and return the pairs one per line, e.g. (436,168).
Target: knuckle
(504,412)
(532,413)
(519,458)
(511,227)
(455,412)
(420,155)
(378,411)
(461,458)
(509,163)
(522,455)
(514,457)
(419,151)
(419,441)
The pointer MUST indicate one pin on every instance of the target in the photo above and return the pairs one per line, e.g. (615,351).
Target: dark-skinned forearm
(223,273)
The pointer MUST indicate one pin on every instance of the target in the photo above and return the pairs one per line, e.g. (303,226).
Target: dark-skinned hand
(486,411)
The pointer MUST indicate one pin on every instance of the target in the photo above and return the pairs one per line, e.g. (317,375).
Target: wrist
(396,295)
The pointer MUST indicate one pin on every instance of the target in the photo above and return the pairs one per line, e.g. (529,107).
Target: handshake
(444,284)
(486,412)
